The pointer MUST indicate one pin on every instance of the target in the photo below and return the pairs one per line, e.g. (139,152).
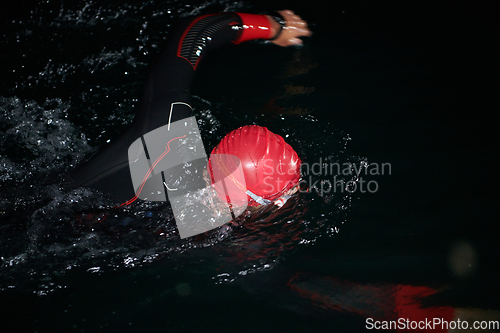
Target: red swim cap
(270,165)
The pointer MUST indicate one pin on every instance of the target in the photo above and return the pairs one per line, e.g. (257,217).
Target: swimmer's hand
(295,27)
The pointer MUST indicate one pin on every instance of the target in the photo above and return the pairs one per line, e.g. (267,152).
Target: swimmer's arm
(177,63)
(199,34)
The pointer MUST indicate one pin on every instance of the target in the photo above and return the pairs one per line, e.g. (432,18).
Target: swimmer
(271,167)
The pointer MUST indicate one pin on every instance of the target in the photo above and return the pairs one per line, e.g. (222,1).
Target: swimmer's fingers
(295,27)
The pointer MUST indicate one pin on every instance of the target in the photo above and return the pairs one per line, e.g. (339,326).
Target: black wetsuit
(168,83)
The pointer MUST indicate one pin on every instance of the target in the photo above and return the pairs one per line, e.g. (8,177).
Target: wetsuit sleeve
(166,94)
(172,76)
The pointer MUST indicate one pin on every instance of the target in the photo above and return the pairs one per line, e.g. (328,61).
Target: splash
(36,138)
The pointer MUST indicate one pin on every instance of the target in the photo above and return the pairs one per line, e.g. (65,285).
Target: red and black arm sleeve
(197,36)
(172,75)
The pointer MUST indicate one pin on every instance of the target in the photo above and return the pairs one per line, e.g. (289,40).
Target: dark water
(406,87)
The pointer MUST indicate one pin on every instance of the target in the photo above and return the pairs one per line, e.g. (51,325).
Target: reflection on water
(396,307)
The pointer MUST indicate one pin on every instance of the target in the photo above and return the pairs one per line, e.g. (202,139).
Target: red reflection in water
(380,302)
